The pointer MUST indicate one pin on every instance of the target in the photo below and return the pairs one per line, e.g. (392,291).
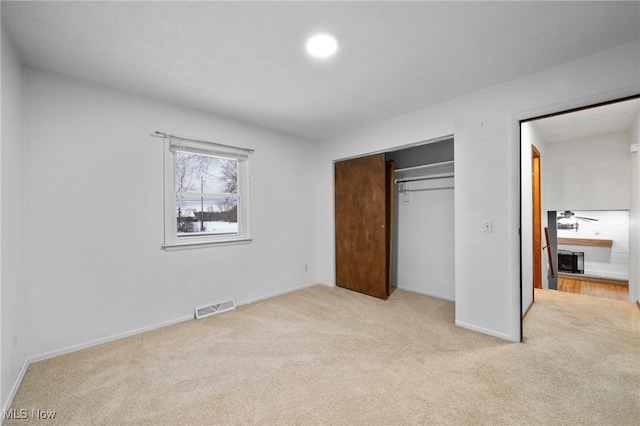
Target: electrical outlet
(487,226)
(306,266)
(15,340)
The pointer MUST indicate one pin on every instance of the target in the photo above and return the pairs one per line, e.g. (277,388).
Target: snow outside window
(206,195)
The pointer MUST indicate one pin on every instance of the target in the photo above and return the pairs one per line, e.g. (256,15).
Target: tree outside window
(206,188)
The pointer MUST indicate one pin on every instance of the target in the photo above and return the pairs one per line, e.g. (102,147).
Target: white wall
(425,258)
(94,223)
(94,272)
(12,251)
(485,125)
(588,174)
(634,212)
(609,262)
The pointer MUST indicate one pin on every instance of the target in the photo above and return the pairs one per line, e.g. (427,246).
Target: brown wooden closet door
(362,237)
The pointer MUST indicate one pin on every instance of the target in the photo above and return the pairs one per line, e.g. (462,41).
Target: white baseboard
(278,293)
(487,331)
(526,311)
(100,341)
(95,342)
(426,293)
(14,389)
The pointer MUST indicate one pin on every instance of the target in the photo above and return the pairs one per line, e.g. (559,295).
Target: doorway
(584,159)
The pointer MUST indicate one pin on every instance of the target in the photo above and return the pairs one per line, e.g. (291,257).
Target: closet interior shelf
(442,170)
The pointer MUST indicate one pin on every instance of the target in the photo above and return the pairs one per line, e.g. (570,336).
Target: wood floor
(598,288)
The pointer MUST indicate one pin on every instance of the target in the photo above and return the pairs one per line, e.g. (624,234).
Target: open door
(537,219)
(363,225)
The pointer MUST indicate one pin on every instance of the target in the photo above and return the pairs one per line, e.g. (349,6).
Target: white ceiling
(607,119)
(246,60)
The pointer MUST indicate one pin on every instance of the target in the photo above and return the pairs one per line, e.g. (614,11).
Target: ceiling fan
(568,220)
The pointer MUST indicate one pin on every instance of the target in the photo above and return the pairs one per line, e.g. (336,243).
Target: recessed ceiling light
(322,45)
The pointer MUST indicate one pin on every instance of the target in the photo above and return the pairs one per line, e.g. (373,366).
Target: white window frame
(171,239)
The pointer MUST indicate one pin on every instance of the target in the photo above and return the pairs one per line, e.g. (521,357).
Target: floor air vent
(215,309)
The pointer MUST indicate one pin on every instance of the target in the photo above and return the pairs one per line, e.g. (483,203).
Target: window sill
(204,244)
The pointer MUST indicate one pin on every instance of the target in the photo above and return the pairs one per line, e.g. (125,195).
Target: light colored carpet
(331,356)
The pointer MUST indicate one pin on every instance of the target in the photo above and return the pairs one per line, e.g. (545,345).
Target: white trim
(397,148)
(14,389)
(426,293)
(96,342)
(526,311)
(486,331)
(276,294)
(204,244)
(171,241)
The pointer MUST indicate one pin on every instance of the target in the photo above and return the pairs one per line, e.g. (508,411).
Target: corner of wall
(634,211)
(6,403)
(13,314)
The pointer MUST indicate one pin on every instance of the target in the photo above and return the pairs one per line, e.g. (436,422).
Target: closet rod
(158,134)
(424,178)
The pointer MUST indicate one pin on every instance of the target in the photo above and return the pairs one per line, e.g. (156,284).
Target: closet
(394,221)
(423,221)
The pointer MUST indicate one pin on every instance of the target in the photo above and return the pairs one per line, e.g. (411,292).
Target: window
(206,194)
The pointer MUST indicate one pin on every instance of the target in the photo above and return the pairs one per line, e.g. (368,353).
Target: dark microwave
(571,261)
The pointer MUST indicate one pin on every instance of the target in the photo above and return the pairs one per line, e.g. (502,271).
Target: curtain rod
(424,178)
(158,134)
